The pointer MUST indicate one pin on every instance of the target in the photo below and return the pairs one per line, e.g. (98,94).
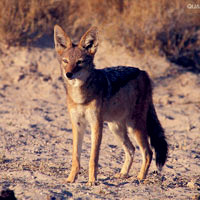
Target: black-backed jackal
(121,96)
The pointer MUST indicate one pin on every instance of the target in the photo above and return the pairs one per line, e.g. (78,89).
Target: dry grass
(159,25)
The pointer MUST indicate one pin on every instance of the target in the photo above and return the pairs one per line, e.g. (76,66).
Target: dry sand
(36,135)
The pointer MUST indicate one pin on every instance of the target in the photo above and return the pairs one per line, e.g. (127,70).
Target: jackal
(121,96)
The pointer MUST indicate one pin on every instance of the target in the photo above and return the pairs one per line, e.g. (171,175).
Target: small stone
(191,184)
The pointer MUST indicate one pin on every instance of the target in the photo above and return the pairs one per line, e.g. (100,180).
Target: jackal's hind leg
(120,132)
(141,138)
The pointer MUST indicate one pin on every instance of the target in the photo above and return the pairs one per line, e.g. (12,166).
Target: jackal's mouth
(71,75)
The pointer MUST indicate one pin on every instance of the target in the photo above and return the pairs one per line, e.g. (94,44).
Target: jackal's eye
(79,62)
(65,61)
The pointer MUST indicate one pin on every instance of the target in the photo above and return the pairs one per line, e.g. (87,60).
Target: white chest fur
(75,90)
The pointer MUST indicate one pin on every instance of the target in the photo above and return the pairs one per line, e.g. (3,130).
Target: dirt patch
(36,135)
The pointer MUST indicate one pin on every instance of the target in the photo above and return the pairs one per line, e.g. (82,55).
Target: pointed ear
(89,41)
(61,40)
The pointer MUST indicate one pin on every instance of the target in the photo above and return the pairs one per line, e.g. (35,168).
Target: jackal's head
(76,60)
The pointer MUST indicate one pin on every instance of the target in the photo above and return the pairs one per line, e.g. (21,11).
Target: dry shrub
(182,46)
(22,21)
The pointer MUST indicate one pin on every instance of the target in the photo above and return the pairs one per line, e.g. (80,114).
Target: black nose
(69,74)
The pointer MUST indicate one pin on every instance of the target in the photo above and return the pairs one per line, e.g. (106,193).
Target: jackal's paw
(71,179)
(120,175)
(141,176)
(91,183)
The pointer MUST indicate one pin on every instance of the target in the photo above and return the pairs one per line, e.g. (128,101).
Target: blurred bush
(181,45)
(23,21)
(160,26)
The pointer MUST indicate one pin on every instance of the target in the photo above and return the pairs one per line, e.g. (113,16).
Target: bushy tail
(157,137)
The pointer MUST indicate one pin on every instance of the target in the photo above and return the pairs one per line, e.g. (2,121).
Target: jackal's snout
(69,75)
(70,71)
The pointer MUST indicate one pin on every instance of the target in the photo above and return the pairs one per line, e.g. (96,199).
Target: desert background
(159,36)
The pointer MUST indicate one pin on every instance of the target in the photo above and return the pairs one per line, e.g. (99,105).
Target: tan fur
(95,96)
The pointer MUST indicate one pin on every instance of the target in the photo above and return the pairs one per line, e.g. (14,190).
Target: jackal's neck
(82,92)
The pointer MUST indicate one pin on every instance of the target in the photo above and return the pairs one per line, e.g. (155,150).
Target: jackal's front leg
(96,137)
(78,134)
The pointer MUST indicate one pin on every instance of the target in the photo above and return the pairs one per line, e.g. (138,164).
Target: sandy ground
(36,135)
